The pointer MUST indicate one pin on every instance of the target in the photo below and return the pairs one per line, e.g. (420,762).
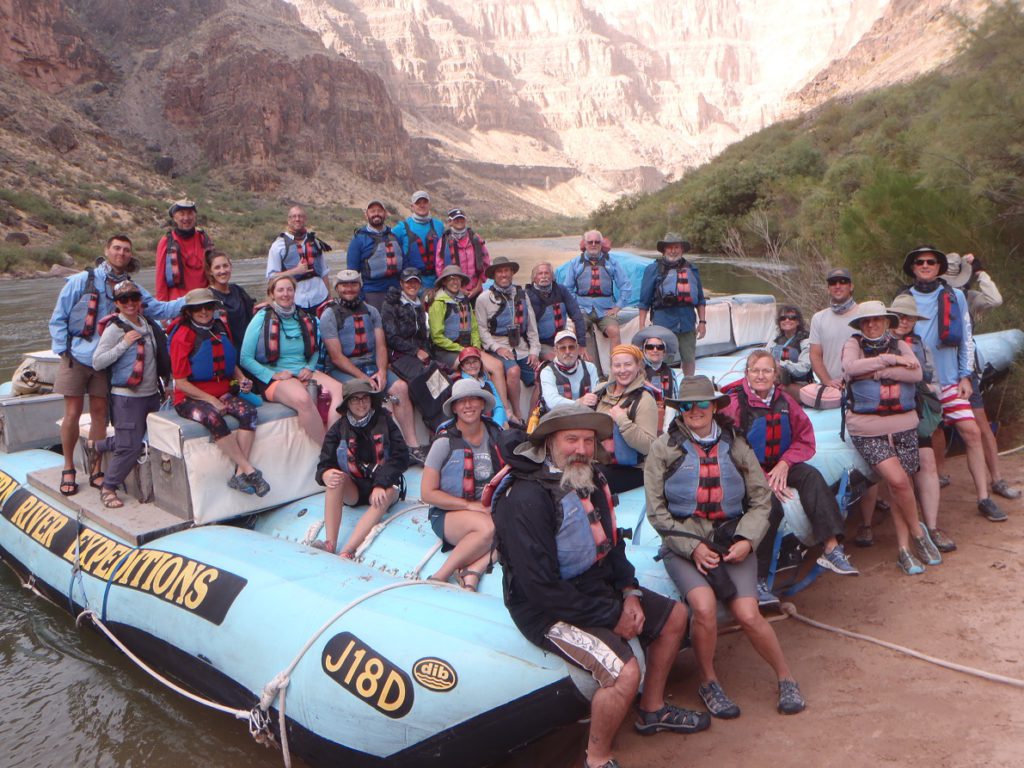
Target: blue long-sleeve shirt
(413,257)
(679,319)
(623,288)
(361,247)
(82,349)
(951,363)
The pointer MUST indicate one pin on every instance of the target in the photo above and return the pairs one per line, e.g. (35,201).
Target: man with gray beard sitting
(569,587)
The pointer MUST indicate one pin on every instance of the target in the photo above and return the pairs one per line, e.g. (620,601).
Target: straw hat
(464,388)
(868,309)
(694,389)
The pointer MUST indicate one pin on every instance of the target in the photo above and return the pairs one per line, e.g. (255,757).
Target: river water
(70,699)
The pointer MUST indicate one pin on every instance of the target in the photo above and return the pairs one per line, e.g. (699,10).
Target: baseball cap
(181,205)
(418,195)
(410,273)
(566,334)
(839,272)
(455,213)
(372,203)
(348,276)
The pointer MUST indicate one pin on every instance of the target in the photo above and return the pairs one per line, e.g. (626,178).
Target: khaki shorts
(687,346)
(77,380)
(604,322)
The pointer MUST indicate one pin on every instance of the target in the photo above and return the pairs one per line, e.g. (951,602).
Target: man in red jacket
(181,254)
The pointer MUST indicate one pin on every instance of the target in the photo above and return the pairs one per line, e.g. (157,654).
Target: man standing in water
(85,298)
(570,588)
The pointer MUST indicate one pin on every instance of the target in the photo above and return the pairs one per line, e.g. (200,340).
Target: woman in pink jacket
(881,416)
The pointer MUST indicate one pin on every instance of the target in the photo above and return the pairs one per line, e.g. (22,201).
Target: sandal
(671,718)
(68,487)
(462,577)
(110,499)
(95,461)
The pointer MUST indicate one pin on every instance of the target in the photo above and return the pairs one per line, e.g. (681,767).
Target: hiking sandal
(95,461)
(110,499)
(463,575)
(671,718)
(68,487)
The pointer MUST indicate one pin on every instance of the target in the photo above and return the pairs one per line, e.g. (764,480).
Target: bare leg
(472,533)
(370,518)
(69,432)
(970,433)
(513,378)
(613,334)
(988,442)
(704,631)
(496,370)
(904,505)
(607,711)
(867,504)
(403,413)
(761,635)
(926,481)
(344,493)
(229,447)
(660,656)
(939,447)
(245,439)
(293,393)
(98,417)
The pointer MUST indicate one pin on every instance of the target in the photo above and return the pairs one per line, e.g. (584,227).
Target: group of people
(536,487)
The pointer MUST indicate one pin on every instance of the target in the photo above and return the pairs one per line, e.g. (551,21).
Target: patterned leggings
(204,413)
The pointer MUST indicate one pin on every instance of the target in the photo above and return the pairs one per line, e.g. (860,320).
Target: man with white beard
(569,587)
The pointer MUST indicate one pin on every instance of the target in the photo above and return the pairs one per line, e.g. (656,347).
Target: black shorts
(598,649)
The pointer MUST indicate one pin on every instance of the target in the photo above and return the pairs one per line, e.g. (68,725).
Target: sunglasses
(788,317)
(702,404)
(201,307)
(925,262)
(838,281)
(128,297)
(656,347)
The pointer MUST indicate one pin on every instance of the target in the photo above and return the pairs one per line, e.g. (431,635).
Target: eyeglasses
(761,371)
(838,281)
(593,242)
(702,404)
(925,262)
(128,297)
(656,347)
(788,317)
(360,398)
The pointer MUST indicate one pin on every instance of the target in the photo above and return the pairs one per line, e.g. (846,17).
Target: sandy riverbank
(869,706)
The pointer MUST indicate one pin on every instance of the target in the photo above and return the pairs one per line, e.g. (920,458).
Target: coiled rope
(790,610)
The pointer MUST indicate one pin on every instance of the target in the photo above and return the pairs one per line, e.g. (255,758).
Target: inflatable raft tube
(416,675)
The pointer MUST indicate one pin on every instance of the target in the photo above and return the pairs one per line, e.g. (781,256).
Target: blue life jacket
(684,479)
(624,453)
(662,379)
(463,336)
(458,476)
(675,287)
(310,244)
(511,318)
(577,550)
(784,349)
(354,344)
(884,397)
(121,370)
(386,259)
(550,311)
(768,430)
(201,358)
(583,273)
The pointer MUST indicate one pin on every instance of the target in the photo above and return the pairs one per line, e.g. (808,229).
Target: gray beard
(578,477)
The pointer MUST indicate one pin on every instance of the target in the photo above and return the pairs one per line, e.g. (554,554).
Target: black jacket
(405,327)
(526,519)
(390,472)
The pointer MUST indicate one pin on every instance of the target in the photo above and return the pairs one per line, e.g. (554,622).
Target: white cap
(566,334)
(418,195)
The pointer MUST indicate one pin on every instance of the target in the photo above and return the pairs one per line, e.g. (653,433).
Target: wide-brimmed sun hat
(958,271)
(904,304)
(358,387)
(694,389)
(673,238)
(464,388)
(450,271)
(868,309)
(572,416)
(662,334)
(501,261)
(908,260)
(199,297)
